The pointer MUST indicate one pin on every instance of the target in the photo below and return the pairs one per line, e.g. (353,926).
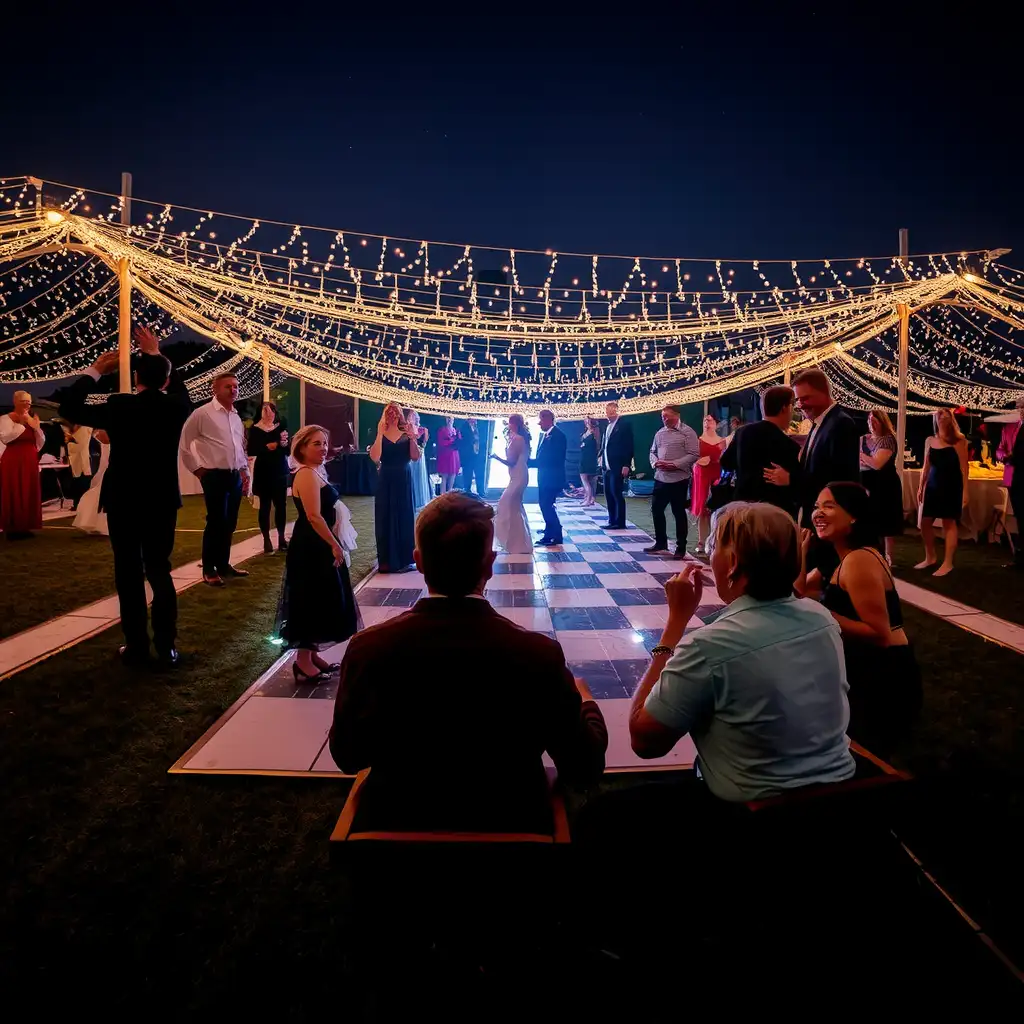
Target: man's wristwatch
(661,649)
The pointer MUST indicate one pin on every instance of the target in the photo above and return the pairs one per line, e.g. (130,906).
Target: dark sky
(708,132)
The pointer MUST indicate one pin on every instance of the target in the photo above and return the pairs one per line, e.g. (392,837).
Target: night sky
(712,132)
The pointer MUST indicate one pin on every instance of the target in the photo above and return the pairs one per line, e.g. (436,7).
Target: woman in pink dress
(706,472)
(21,506)
(448,439)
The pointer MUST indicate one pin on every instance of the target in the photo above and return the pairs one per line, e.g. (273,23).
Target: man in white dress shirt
(213,448)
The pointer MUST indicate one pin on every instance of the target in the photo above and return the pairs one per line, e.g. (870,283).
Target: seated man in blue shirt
(762,689)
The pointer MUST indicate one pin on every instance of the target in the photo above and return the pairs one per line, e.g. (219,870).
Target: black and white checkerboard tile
(598,594)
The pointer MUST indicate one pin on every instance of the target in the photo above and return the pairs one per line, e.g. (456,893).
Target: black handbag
(721,493)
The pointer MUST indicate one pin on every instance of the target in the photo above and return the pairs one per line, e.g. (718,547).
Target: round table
(984,493)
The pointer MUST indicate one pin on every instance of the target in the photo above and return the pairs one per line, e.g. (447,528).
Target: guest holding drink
(942,493)
(422,492)
(590,445)
(268,442)
(878,475)
(394,450)
(706,471)
(318,607)
(448,464)
(21,502)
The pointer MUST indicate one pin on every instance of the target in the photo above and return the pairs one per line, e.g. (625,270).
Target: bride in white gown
(89,518)
(510,524)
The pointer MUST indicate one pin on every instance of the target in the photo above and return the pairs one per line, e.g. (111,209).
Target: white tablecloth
(983,494)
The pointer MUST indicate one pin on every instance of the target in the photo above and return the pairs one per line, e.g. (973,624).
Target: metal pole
(124,325)
(126,198)
(124,299)
(355,423)
(302,403)
(901,407)
(266,375)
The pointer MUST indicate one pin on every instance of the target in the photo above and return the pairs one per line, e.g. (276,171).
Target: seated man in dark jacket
(758,450)
(452,705)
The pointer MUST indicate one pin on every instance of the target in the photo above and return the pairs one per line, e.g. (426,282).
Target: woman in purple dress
(448,439)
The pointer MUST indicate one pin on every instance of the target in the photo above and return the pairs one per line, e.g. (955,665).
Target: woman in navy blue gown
(394,450)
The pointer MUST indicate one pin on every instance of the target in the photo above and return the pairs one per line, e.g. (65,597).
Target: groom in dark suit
(140,489)
(550,463)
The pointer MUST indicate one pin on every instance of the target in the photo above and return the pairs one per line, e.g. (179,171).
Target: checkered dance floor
(598,594)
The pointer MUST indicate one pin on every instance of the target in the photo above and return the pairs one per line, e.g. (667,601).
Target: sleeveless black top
(837,600)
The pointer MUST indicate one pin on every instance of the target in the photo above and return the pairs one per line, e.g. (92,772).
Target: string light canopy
(460,328)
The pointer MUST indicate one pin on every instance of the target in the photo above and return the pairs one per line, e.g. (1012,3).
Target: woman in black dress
(318,607)
(268,442)
(856,586)
(590,444)
(878,474)
(394,449)
(942,493)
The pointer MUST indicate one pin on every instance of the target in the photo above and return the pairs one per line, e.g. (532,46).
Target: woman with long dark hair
(857,587)
(878,475)
(590,445)
(268,442)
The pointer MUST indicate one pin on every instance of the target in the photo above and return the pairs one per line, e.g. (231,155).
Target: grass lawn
(189,896)
(978,578)
(61,568)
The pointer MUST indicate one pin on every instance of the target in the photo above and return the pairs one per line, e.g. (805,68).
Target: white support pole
(302,403)
(124,325)
(901,409)
(355,423)
(124,299)
(266,375)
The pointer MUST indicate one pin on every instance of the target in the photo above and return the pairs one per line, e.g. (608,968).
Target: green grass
(189,895)
(61,568)
(978,578)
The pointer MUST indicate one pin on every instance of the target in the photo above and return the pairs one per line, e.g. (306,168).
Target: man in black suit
(550,463)
(485,741)
(140,489)
(758,449)
(472,456)
(832,449)
(616,462)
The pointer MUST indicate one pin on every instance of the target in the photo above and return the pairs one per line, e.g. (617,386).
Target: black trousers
(222,489)
(142,545)
(278,498)
(473,466)
(674,495)
(79,485)
(614,490)
(546,495)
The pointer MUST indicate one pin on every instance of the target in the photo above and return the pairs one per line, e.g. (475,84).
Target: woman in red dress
(21,504)
(706,472)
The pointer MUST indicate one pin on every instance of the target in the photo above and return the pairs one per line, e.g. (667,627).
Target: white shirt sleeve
(189,433)
(9,430)
(654,451)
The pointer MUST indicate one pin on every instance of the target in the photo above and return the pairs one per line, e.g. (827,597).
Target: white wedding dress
(510,524)
(89,518)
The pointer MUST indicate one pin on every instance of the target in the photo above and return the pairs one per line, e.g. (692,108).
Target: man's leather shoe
(132,657)
(212,580)
(168,659)
(230,572)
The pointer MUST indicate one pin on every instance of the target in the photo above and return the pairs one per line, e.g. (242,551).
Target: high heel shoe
(302,678)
